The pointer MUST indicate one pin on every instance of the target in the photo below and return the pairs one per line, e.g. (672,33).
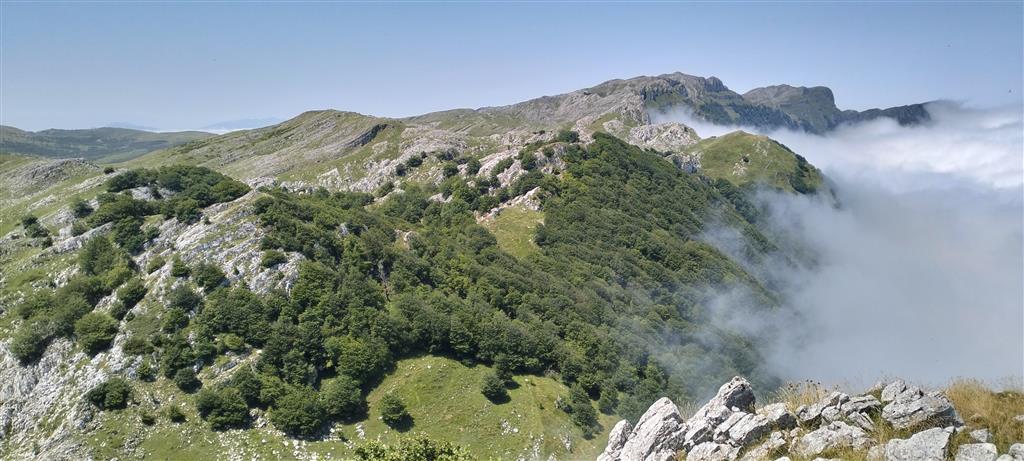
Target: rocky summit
(892,421)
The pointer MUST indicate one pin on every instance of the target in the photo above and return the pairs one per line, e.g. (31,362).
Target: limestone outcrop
(732,427)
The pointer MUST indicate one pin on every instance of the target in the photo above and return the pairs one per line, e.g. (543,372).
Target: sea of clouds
(918,273)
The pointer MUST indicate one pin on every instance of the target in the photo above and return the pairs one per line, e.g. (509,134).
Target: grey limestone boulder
(981,436)
(828,407)
(977,452)
(911,409)
(866,404)
(748,429)
(657,435)
(779,416)
(835,435)
(1017,451)
(762,451)
(616,439)
(711,451)
(927,445)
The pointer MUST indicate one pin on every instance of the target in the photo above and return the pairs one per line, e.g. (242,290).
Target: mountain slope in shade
(814,108)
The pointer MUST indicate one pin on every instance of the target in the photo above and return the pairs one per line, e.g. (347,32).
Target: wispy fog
(919,273)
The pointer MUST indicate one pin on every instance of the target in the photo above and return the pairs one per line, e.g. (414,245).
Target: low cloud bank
(919,273)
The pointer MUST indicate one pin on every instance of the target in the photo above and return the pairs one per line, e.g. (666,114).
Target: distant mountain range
(218,128)
(96,144)
(241,124)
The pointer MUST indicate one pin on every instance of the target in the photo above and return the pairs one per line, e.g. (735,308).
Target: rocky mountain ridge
(630,102)
(635,99)
(350,151)
(892,421)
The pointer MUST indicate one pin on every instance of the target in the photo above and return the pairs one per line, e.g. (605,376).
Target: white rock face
(616,439)
(664,137)
(866,404)
(829,408)
(928,445)
(717,431)
(1017,451)
(29,394)
(779,416)
(728,428)
(711,451)
(748,429)
(861,421)
(914,408)
(977,452)
(876,453)
(657,436)
(981,435)
(836,435)
(75,243)
(774,442)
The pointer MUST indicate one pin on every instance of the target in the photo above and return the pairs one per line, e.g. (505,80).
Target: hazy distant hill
(97,144)
(241,124)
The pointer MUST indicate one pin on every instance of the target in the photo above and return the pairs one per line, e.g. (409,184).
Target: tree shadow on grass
(405,423)
(500,399)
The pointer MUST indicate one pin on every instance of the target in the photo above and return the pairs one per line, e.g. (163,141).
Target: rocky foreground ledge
(839,426)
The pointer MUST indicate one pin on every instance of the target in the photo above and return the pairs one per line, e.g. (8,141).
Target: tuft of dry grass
(800,393)
(982,407)
(688,408)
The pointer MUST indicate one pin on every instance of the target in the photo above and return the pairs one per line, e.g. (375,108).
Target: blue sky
(187,65)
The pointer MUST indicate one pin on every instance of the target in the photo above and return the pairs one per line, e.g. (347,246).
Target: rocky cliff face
(731,427)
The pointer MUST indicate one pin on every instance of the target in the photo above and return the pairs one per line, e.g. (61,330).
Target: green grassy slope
(443,398)
(446,404)
(746,159)
(299,148)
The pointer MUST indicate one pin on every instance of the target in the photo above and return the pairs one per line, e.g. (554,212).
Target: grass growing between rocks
(984,408)
(978,405)
(800,393)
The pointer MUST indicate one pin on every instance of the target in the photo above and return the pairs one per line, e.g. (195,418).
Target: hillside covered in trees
(618,260)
